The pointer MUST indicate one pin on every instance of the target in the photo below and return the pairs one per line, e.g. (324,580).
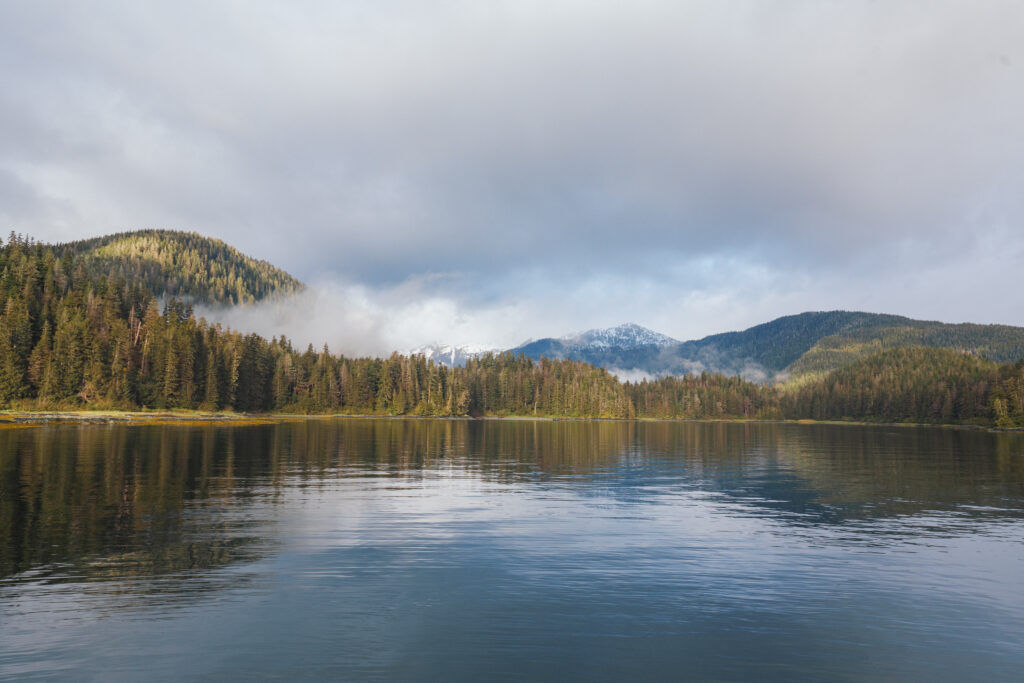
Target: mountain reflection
(91,502)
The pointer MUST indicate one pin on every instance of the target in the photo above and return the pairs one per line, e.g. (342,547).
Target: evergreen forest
(108,324)
(182,264)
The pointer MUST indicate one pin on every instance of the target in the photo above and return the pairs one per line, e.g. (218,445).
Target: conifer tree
(39,360)
(211,397)
(12,384)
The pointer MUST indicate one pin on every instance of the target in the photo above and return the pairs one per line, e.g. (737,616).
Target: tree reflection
(108,502)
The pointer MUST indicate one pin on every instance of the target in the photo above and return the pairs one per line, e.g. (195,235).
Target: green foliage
(704,396)
(1000,343)
(182,264)
(72,336)
(779,343)
(912,384)
(818,342)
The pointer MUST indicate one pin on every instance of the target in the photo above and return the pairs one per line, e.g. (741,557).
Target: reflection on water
(424,549)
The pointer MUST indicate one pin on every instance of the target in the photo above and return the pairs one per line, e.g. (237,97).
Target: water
(463,550)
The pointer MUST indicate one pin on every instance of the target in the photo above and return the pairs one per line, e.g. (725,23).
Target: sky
(488,172)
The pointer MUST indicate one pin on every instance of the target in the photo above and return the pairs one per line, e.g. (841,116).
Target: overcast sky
(485,172)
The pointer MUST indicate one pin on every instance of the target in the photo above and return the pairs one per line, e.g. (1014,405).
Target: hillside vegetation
(817,342)
(182,264)
(795,347)
(1000,343)
(73,336)
(917,384)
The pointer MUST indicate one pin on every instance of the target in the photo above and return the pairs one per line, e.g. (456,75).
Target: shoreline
(45,417)
(29,418)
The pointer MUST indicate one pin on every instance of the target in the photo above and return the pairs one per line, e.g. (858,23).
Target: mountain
(999,343)
(789,347)
(183,264)
(628,336)
(626,347)
(451,356)
(796,347)
(818,342)
(74,337)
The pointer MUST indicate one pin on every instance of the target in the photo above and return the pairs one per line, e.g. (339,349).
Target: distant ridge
(625,347)
(72,336)
(184,264)
(788,347)
(627,336)
(794,347)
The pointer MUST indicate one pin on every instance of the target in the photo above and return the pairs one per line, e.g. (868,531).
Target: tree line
(915,384)
(75,337)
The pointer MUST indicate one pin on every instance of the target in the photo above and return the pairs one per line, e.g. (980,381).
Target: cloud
(678,162)
(698,298)
(632,375)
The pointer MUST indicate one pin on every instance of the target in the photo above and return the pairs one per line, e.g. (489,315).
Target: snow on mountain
(613,340)
(627,336)
(452,356)
(626,347)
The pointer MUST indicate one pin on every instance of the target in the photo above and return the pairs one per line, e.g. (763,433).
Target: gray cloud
(695,166)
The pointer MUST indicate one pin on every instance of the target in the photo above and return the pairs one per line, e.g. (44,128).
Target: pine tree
(211,397)
(12,384)
(39,361)
(233,377)
(171,379)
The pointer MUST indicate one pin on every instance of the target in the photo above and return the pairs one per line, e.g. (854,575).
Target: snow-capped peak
(627,336)
(450,355)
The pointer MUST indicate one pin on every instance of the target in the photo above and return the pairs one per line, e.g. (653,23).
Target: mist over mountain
(73,334)
(208,271)
(535,168)
(627,347)
(790,346)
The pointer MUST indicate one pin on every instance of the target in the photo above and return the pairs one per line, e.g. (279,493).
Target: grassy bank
(33,417)
(28,418)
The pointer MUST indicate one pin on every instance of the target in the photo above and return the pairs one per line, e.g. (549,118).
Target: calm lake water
(468,550)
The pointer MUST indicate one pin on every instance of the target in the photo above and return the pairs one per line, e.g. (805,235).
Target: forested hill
(794,346)
(72,336)
(917,384)
(181,264)
(826,340)
(999,343)
(777,344)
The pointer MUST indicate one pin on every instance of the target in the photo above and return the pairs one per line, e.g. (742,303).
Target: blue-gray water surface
(494,550)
